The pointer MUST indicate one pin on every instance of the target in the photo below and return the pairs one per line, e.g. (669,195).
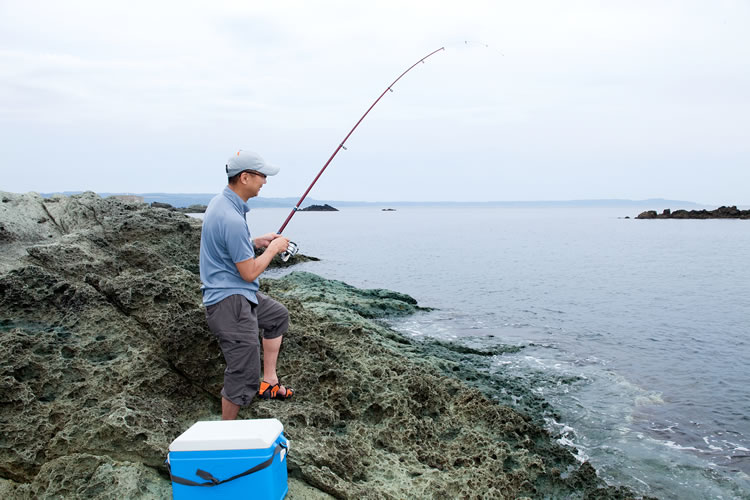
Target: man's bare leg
(229,410)
(271,349)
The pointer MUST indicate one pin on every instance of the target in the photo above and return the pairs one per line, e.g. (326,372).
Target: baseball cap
(248,160)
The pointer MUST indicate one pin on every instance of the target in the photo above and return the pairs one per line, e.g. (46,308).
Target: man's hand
(278,245)
(250,269)
(265,240)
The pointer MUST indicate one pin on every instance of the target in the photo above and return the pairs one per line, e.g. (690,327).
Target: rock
(107,358)
(158,204)
(720,213)
(128,198)
(731,212)
(83,475)
(292,261)
(336,297)
(194,209)
(5,235)
(319,208)
(683,214)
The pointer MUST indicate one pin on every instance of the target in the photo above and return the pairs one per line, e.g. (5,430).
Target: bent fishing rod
(292,246)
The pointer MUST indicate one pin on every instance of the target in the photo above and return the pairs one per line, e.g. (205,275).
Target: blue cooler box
(230,459)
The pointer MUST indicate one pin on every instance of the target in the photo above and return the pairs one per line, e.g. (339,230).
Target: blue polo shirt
(225,240)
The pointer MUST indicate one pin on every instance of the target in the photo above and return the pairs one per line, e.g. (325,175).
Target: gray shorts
(236,323)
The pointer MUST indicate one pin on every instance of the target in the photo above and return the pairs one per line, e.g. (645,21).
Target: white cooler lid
(229,435)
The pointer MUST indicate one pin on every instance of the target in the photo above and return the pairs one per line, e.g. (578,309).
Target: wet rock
(107,358)
(466,349)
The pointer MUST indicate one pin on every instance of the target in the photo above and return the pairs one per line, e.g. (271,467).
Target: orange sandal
(268,391)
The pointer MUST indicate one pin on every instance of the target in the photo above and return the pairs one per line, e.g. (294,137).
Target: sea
(636,331)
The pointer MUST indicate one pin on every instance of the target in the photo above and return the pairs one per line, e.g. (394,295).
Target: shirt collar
(240,205)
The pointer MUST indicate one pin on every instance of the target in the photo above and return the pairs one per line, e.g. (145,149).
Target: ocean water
(640,328)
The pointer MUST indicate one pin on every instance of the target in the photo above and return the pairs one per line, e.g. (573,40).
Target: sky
(532,100)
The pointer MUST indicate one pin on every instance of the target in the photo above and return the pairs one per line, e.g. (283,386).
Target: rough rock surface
(106,358)
(192,209)
(720,213)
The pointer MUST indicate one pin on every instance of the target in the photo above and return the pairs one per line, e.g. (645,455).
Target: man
(229,270)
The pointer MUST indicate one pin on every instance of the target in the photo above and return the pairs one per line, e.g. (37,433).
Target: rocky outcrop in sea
(720,213)
(106,358)
(319,208)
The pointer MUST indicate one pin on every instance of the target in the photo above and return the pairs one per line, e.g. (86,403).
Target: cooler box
(230,459)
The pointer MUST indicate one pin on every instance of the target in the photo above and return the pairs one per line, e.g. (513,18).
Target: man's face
(252,182)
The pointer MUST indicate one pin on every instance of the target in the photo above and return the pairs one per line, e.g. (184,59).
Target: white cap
(248,160)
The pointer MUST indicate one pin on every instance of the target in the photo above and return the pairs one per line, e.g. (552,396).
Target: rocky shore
(720,213)
(106,358)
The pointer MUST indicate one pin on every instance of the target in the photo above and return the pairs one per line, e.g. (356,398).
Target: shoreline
(109,359)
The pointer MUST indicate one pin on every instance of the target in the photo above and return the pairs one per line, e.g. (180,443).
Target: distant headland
(720,213)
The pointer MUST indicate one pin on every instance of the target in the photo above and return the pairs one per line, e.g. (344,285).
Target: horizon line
(295,198)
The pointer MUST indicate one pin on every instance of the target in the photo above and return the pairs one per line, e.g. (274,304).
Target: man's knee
(273,317)
(277,328)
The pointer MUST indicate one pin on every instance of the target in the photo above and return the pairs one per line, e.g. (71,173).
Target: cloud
(567,92)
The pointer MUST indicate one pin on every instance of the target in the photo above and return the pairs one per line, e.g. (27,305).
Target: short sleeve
(239,244)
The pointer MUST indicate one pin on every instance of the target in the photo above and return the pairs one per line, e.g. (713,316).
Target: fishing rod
(292,246)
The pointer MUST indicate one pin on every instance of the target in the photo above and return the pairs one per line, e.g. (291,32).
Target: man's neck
(238,193)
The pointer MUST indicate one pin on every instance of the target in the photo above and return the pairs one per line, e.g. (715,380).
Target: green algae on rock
(107,358)
(331,295)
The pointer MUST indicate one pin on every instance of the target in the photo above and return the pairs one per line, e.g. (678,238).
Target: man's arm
(265,240)
(250,269)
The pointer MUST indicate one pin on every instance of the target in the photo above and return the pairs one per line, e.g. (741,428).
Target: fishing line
(293,248)
(469,43)
(341,145)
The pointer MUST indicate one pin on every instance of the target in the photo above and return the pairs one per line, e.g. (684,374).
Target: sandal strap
(265,386)
(272,391)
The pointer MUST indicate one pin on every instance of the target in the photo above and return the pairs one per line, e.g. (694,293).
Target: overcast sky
(570,100)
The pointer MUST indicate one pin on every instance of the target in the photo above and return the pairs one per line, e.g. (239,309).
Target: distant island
(319,208)
(720,213)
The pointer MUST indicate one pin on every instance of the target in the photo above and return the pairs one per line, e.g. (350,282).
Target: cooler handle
(215,482)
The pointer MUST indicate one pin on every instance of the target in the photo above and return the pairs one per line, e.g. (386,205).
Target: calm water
(651,317)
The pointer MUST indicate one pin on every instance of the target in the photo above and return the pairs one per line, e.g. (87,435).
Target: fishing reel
(291,251)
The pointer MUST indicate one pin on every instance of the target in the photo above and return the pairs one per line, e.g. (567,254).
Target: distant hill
(187,199)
